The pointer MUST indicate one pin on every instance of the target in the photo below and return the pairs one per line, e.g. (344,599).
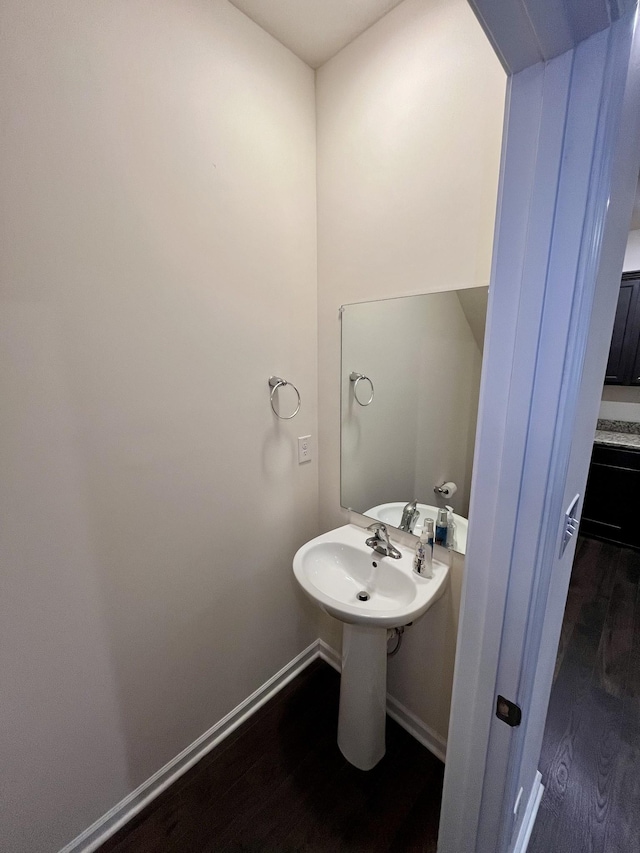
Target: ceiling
(315,30)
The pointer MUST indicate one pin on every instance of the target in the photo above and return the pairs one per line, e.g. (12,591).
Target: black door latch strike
(508,712)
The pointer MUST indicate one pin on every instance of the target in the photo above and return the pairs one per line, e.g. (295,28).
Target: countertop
(618,434)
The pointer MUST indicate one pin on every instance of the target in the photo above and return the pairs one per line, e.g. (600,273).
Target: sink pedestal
(363,695)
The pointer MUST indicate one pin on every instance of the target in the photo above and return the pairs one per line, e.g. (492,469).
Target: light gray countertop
(617,439)
(618,434)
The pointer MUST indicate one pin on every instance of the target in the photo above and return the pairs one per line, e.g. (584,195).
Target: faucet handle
(381,542)
(380,533)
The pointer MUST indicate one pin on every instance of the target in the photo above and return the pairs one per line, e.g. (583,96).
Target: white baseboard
(329,655)
(529,818)
(109,823)
(116,817)
(434,742)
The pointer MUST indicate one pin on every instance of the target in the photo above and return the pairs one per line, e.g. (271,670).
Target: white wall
(409,134)
(620,402)
(157,184)
(632,254)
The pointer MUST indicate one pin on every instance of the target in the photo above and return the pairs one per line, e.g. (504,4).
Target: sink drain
(363,596)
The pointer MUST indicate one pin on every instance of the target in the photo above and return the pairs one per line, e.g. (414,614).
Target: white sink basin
(333,568)
(391,513)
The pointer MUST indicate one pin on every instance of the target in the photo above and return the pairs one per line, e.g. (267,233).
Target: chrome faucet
(410,515)
(380,541)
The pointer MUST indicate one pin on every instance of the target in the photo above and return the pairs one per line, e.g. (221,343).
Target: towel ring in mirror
(359,377)
(276,382)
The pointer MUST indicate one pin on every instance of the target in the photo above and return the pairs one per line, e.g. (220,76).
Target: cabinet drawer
(618,457)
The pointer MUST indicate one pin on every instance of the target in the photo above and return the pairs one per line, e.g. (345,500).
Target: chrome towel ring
(358,377)
(276,382)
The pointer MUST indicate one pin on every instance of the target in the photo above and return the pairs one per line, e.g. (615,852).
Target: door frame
(569,168)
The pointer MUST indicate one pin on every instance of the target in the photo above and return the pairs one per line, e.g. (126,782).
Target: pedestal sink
(369,593)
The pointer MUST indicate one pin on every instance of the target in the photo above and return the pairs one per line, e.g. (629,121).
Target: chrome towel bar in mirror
(356,378)
(276,382)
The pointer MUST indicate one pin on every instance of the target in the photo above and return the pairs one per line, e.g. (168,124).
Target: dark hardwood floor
(279,783)
(591,751)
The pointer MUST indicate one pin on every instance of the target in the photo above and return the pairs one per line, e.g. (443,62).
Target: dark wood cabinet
(611,500)
(623,367)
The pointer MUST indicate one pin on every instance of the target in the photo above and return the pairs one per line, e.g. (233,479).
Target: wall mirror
(409,403)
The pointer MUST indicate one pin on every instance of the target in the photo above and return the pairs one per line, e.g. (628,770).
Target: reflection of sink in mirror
(391,513)
(423,356)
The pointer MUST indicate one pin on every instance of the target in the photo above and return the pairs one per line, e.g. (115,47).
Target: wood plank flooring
(591,751)
(279,783)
